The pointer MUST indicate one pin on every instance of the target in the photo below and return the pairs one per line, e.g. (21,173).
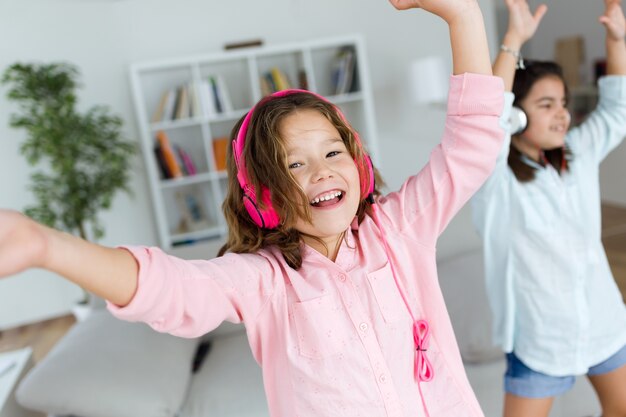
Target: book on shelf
(269,82)
(280,79)
(158,154)
(192,213)
(166,105)
(195,108)
(205,91)
(189,167)
(343,72)
(169,156)
(223,94)
(157,116)
(215,96)
(182,103)
(266,87)
(303,81)
(274,80)
(220,149)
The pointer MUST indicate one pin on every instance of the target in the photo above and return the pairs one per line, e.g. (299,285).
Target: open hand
(22,243)
(448,10)
(522,22)
(613,19)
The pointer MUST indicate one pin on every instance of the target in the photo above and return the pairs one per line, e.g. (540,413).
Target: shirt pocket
(443,394)
(321,326)
(539,215)
(387,294)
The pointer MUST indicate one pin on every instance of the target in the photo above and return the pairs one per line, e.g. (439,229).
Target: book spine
(168,155)
(190,167)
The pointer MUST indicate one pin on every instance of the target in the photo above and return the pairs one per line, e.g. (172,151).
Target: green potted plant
(83,159)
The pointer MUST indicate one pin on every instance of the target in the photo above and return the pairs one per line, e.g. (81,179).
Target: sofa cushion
(463,285)
(229,383)
(104,367)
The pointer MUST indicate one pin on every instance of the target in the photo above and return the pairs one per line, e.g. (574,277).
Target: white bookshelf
(241,71)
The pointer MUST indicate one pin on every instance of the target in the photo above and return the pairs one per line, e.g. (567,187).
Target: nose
(321,172)
(564,114)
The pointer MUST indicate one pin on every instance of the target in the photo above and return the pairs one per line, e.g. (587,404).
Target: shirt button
(382,378)
(363,326)
(342,277)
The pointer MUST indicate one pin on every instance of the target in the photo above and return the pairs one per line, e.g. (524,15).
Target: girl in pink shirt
(336,284)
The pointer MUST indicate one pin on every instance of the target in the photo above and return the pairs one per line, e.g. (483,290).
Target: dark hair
(522,84)
(266,162)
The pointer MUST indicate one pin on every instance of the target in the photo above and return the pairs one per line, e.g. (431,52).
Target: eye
(295,165)
(333,153)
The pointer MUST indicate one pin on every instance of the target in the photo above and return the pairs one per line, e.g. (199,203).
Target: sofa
(104,367)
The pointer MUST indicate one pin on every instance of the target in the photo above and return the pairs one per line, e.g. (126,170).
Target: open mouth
(327,199)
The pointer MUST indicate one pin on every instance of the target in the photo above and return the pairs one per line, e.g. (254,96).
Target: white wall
(570,18)
(104,37)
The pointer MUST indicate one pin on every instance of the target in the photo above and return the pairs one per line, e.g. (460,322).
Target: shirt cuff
(475,94)
(612,87)
(145,295)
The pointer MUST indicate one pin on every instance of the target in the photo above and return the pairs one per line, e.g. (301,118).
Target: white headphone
(518,120)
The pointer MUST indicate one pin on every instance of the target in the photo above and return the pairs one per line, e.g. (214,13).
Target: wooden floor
(42,336)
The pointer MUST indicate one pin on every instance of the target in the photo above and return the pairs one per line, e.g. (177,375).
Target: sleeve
(492,192)
(190,298)
(458,166)
(605,127)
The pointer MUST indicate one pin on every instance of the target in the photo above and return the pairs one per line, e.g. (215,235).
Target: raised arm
(470,51)
(522,26)
(614,22)
(107,272)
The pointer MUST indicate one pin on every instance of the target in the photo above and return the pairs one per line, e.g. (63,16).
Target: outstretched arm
(470,51)
(107,272)
(615,24)
(522,26)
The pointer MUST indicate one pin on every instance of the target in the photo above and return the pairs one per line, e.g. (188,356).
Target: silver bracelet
(517,54)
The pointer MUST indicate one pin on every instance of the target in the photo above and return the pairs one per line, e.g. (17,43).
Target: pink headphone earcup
(266,219)
(367,176)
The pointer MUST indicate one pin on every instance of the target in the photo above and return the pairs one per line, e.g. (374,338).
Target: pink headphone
(268,218)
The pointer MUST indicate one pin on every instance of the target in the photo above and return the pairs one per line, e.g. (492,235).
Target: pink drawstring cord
(422,369)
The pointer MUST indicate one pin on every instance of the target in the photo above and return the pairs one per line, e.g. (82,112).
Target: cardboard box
(569,53)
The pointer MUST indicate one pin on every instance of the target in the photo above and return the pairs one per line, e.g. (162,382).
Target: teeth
(326,197)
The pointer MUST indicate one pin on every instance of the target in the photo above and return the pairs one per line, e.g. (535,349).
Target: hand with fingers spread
(613,20)
(615,24)
(523,23)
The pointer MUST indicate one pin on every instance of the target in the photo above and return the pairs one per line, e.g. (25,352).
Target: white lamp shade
(429,80)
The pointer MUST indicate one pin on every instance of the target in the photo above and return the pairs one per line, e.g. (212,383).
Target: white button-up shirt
(553,297)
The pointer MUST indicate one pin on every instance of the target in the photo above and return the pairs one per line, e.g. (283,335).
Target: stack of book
(208,97)
(274,80)
(173,160)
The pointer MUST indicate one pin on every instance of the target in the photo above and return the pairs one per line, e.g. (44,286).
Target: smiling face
(548,118)
(327,174)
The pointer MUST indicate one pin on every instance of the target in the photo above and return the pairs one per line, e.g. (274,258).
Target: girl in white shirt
(557,310)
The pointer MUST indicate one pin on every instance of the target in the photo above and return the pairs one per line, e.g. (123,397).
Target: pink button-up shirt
(335,338)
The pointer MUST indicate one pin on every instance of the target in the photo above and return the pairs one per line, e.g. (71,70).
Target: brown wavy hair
(266,163)
(522,84)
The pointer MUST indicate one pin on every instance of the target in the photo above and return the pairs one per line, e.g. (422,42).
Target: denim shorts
(522,381)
